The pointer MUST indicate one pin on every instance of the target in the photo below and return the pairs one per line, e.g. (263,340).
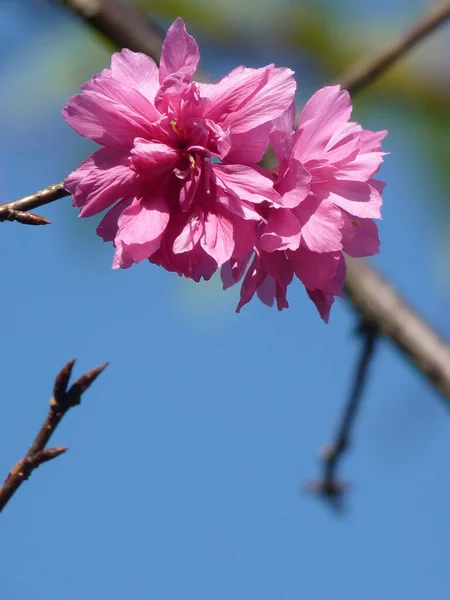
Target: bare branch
(16,210)
(62,401)
(331,486)
(120,25)
(363,75)
(26,218)
(378,302)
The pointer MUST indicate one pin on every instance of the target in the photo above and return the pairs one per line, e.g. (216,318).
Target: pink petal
(245,182)
(321,224)
(282,232)
(285,122)
(122,94)
(136,71)
(357,198)
(195,264)
(108,226)
(327,110)
(323,303)
(278,266)
(244,237)
(104,178)
(234,205)
(105,120)
(360,236)
(179,52)
(141,227)
(218,238)
(190,235)
(267,104)
(247,98)
(314,269)
(252,280)
(73,180)
(267,291)
(367,160)
(293,186)
(249,148)
(281,142)
(231,92)
(153,158)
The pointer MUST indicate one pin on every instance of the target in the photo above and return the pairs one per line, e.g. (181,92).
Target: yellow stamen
(175,127)
(192,161)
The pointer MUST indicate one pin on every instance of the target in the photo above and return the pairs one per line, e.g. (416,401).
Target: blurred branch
(120,24)
(378,302)
(370,294)
(63,399)
(363,75)
(330,486)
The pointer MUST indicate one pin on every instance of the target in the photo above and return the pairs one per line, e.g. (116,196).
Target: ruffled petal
(247,98)
(294,185)
(323,303)
(141,227)
(357,198)
(314,269)
(105,119)
(101,180)
(136,71)
(109,225)
(179,52)
(360,236)
(321,224)
(218,238)
(327,110)
(282,232)
(249,149)
(245,182)
(153,158)
(190,235)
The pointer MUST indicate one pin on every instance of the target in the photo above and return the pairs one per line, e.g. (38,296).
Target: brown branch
(63,399)
(366,73)
(365,288)
(26,218)
(17,210)
(330,486)
(120,24)
(378,302)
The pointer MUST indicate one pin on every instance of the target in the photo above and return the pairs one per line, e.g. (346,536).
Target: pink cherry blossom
(177,168)
(328,200)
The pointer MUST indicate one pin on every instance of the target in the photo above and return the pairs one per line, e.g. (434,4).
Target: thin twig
(331,486)
(364,74)
(17,210)
(120,24)
(26,218)
(63,399)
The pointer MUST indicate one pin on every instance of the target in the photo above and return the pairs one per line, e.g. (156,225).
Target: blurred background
(188,457)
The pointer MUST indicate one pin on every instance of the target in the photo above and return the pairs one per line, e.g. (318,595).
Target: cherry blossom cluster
(179,170)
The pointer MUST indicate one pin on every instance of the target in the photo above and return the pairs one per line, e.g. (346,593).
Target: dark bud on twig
(62,381)
(48,454)
(73,396)
(23,217)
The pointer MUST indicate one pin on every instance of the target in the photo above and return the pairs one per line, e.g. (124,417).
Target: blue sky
(188,455)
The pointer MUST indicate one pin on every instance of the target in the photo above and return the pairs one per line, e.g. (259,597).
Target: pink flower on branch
(177,168)
(328,200)
(178,171)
